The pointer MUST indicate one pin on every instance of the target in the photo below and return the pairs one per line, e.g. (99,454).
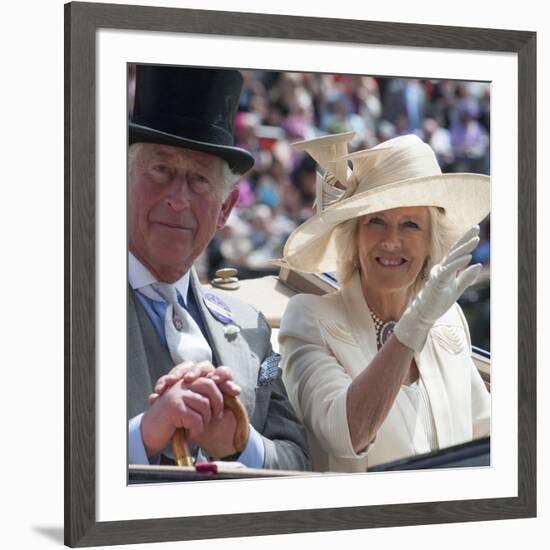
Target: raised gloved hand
(440,292)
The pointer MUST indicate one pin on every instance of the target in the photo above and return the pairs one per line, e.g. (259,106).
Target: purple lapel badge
(220,310)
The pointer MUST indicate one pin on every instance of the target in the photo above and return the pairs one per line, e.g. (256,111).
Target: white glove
(440,292)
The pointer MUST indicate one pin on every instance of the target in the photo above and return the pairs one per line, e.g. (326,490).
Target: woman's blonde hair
(442,236)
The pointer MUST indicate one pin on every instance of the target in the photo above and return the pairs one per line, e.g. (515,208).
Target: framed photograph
(101,42)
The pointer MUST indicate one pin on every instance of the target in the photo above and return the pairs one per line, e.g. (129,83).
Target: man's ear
(227,206)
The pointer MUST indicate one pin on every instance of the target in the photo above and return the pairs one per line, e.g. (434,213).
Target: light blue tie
(183,336)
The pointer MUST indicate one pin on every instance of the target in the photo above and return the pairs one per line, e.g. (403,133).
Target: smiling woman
(393,250)
(381,370)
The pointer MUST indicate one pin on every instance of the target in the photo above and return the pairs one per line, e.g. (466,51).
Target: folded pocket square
(269,370)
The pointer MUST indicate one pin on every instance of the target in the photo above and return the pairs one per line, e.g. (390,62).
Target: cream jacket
(325,341)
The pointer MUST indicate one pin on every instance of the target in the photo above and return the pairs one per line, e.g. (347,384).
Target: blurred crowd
(279,108)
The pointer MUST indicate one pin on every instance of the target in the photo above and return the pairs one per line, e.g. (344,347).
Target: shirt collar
(140,278)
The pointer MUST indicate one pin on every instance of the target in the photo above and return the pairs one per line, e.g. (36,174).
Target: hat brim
(239,160)
(465,199)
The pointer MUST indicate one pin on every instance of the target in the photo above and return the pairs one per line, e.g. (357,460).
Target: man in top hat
(189,348)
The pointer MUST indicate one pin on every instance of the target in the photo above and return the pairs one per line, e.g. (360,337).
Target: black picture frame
(82,20)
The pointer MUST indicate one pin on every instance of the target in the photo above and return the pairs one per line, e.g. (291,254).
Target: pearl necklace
(383,329)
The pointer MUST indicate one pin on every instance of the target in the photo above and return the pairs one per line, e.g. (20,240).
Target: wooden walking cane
(179,440)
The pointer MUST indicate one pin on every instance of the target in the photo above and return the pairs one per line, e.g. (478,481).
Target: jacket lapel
(231,351)
(409,421)
(437,395)
(360,321)
(138,378)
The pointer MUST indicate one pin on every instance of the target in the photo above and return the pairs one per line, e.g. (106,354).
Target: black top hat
(189,107)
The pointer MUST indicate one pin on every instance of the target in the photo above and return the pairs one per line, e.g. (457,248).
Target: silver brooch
(231,331)
(178,323)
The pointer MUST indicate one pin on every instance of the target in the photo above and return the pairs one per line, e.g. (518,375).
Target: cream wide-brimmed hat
(400,172)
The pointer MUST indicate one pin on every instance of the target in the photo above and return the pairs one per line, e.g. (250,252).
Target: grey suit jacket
(250,356)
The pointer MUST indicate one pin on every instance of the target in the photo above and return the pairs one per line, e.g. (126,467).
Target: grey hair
(132,153)
(442,236)
(230,178)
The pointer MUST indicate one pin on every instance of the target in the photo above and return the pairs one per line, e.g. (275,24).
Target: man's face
(175,205)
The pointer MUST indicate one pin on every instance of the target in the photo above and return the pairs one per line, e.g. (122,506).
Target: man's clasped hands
(191,396)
